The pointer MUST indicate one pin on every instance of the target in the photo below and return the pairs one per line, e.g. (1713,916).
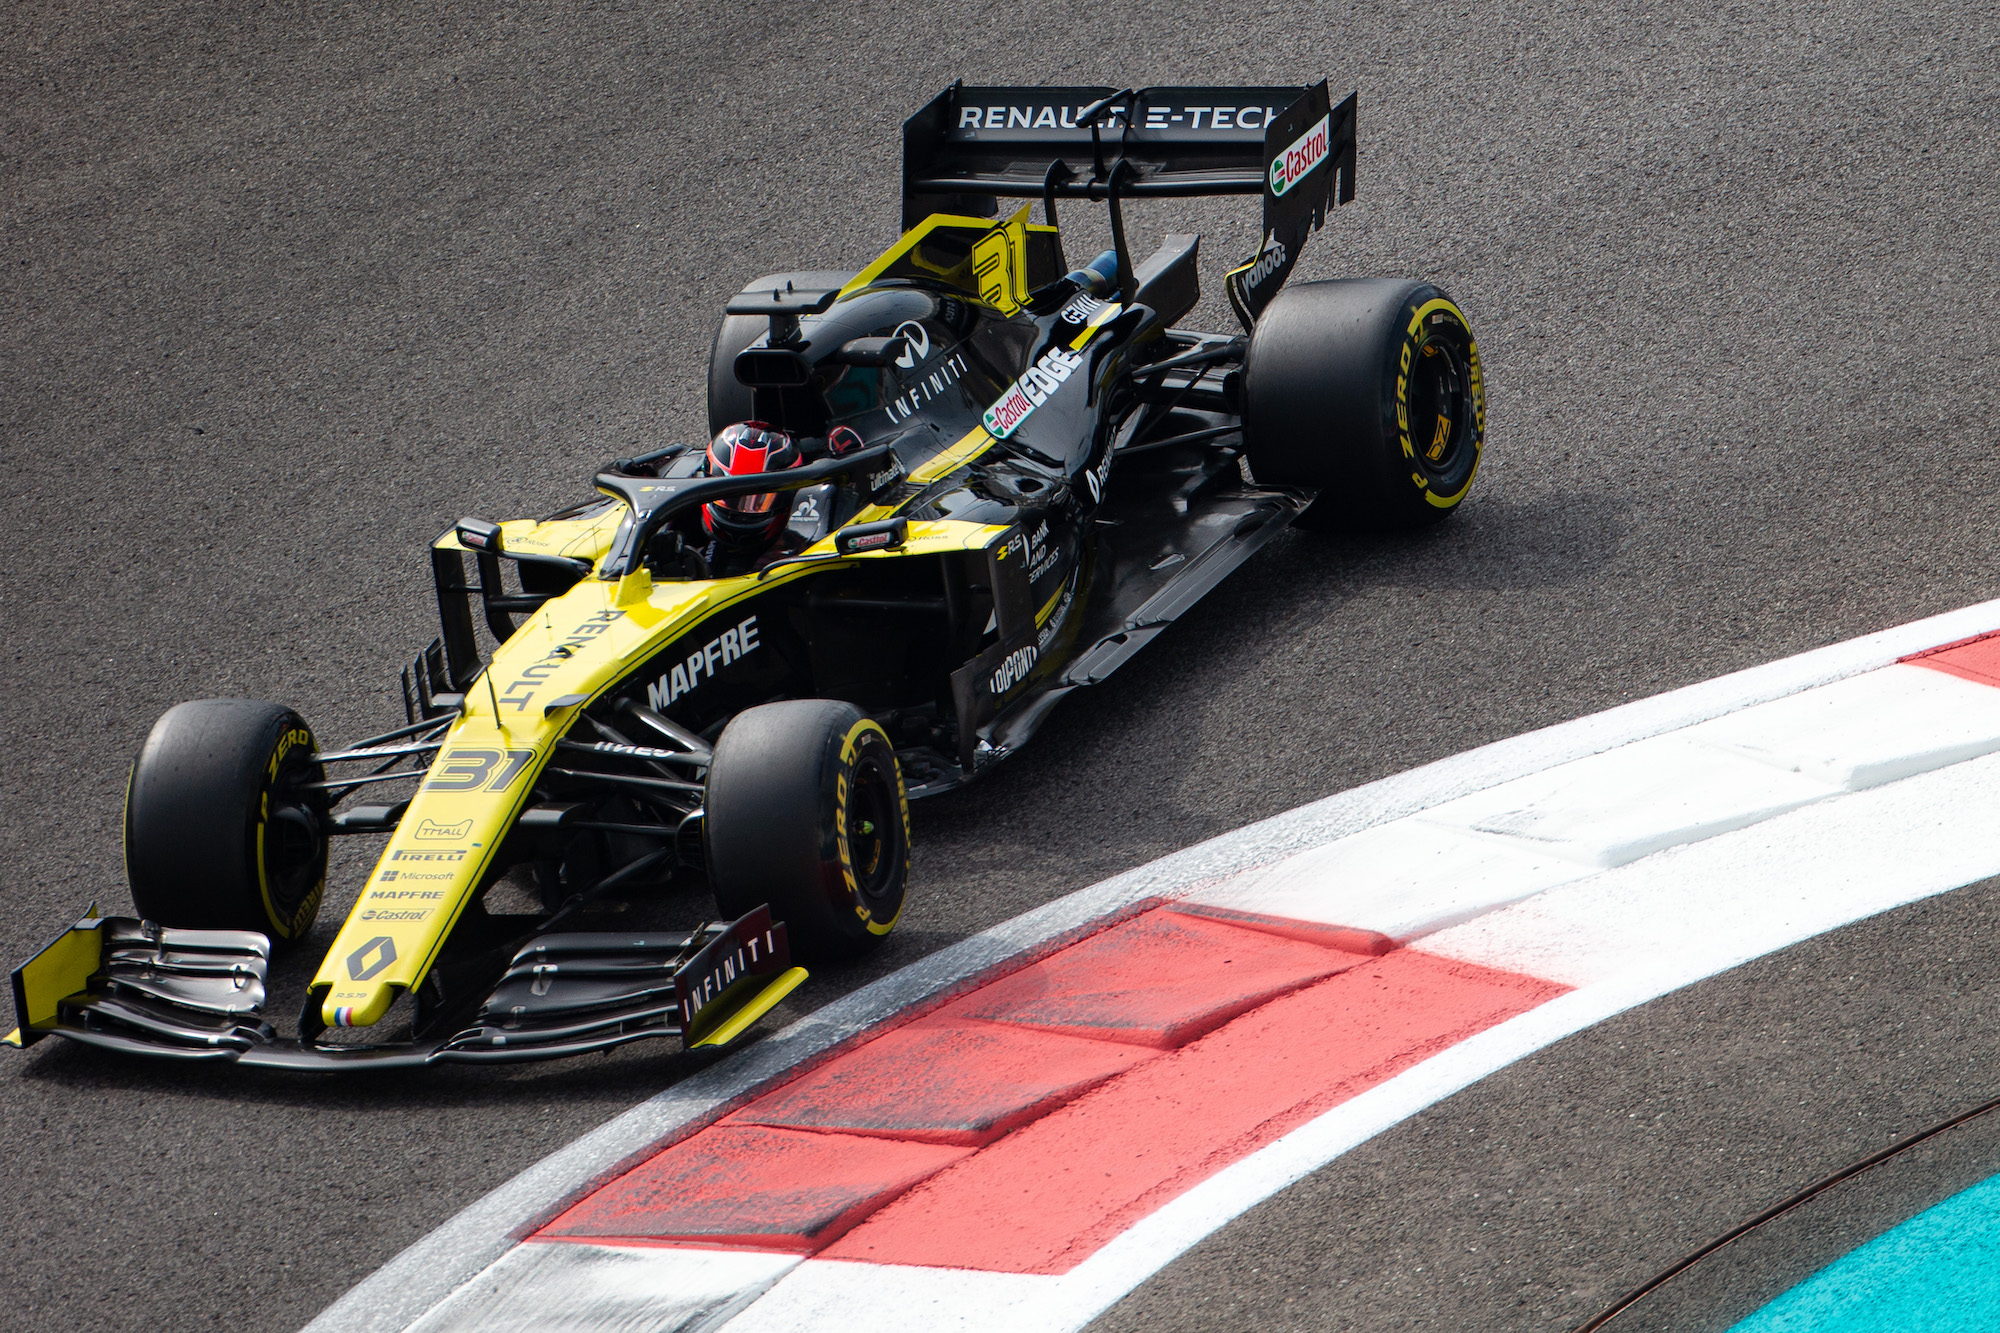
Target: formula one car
(943,492)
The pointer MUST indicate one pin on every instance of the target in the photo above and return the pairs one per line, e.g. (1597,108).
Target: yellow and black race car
(944,492)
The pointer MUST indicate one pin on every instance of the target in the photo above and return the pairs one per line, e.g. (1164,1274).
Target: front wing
(128,985)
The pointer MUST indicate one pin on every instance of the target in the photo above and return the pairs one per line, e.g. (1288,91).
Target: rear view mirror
(476,534)
(884,536)
(871,351)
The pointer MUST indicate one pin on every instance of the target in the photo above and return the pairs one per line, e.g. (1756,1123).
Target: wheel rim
(294,845)
(1441,409)
(874,850)
(291,853)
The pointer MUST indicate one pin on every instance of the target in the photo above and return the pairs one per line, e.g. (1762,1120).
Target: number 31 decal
(470,770)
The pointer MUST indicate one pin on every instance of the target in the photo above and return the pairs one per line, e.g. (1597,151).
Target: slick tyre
(1370,392)
(729,401)
(806,811)
(219,834)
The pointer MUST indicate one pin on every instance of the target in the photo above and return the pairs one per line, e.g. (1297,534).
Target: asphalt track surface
(285,290)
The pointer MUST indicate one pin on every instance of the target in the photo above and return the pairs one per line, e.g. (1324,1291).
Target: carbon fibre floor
(287,292)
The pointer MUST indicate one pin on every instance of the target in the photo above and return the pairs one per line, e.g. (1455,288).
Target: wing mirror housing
(476,534)
(871,351)
(887,535)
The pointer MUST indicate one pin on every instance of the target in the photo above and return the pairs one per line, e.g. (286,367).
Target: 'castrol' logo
(1307,151)
(1031,391)
(1013,670)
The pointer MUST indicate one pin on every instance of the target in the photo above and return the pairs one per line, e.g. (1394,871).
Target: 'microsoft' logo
(1306,152)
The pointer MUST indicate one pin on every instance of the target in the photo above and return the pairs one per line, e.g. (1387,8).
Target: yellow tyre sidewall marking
(1415,337)
(850,745)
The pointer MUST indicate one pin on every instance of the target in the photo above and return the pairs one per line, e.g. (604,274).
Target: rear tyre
(806,811)
(1370,392)
(219,834)
(728,401)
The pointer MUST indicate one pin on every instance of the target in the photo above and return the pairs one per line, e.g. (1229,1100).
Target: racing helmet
(743,450)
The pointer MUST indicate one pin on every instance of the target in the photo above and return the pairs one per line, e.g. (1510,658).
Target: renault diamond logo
(384,951)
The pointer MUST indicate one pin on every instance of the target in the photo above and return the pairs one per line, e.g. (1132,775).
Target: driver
(746,528)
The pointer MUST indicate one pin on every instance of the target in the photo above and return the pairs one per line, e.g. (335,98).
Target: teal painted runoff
(1939,1272)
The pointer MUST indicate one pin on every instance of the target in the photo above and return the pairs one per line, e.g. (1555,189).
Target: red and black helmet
(744,450)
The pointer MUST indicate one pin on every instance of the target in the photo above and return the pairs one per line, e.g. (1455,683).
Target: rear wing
(972,146)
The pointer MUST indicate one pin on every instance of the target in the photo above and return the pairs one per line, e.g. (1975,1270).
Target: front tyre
(806,811)
(1370,392)
(220,831)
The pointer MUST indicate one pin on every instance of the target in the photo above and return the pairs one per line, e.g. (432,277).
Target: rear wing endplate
(972,146)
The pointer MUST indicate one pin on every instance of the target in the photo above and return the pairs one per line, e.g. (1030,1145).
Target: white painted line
(827,1294)
(1424,873)
(455,1254)
(1405,878)
(1456,861)
(1611,809)
(605,1289)
(1867,729)
(1739,897)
